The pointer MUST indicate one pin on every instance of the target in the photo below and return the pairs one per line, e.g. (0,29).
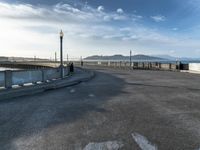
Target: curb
(39,88)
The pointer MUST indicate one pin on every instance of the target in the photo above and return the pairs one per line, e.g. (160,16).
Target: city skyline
(31,28)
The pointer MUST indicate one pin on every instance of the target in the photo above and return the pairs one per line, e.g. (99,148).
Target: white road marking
(109,145)
(143,143)
(91,95)
(72,91)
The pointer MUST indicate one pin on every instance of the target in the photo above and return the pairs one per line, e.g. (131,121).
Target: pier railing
(10,78)
(191,67)
(135,65)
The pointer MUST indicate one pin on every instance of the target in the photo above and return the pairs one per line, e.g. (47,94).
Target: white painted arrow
(143,143)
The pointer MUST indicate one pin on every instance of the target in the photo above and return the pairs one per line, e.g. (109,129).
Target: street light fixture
(61,53)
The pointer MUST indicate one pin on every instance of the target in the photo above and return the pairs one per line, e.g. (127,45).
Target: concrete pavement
(126,110)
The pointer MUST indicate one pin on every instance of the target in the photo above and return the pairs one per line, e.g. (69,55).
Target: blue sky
(100,27)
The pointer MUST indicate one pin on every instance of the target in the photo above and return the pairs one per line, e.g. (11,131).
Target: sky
(31,28)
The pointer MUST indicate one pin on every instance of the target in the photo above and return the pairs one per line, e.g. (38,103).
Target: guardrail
(135,65)
(10,78)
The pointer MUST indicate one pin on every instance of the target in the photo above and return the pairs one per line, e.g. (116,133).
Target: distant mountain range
(166,57)
(141,58)
(123,58)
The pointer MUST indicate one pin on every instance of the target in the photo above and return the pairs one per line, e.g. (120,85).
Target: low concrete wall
(194,67)
(166,66)
(21,77)
(51,73)
(9,78)
(173,66)
(79,76)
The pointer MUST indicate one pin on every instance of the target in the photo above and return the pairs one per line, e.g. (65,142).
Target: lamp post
(55,57)
(130,58)
(61,53)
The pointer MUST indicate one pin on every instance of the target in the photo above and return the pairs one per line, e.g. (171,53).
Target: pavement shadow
(164,86)
(29,115)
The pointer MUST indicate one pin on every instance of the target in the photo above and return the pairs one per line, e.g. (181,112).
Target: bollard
(170,66)
(143,66)
(160,66)
(8,79)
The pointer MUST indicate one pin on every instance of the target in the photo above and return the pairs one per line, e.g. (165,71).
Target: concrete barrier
(173,67)
(79,76)
(21,77)
(10,78)
(49,74)
(166,66)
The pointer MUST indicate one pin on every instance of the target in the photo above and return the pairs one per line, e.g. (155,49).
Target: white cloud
(174,29)
(61,12)
(35,30)
(137,16)
(197,51)
(100,8)
(120,10)
(107,18)
(158,18)
(125,29)
(195,4)
(20,10)
(120,17)
(132,37)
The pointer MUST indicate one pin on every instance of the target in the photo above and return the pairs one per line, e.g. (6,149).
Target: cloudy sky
(104,27)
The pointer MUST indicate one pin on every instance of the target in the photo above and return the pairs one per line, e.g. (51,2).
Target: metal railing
(10,78)
(133,65)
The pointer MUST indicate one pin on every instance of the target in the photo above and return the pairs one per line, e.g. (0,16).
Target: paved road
(126,110)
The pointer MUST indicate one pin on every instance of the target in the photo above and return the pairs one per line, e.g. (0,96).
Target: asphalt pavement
(117,109)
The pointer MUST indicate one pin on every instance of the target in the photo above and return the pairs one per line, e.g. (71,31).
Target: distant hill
(167,57)
(123,58)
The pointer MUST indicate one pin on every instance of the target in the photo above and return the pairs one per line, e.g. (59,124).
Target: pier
(118,107)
